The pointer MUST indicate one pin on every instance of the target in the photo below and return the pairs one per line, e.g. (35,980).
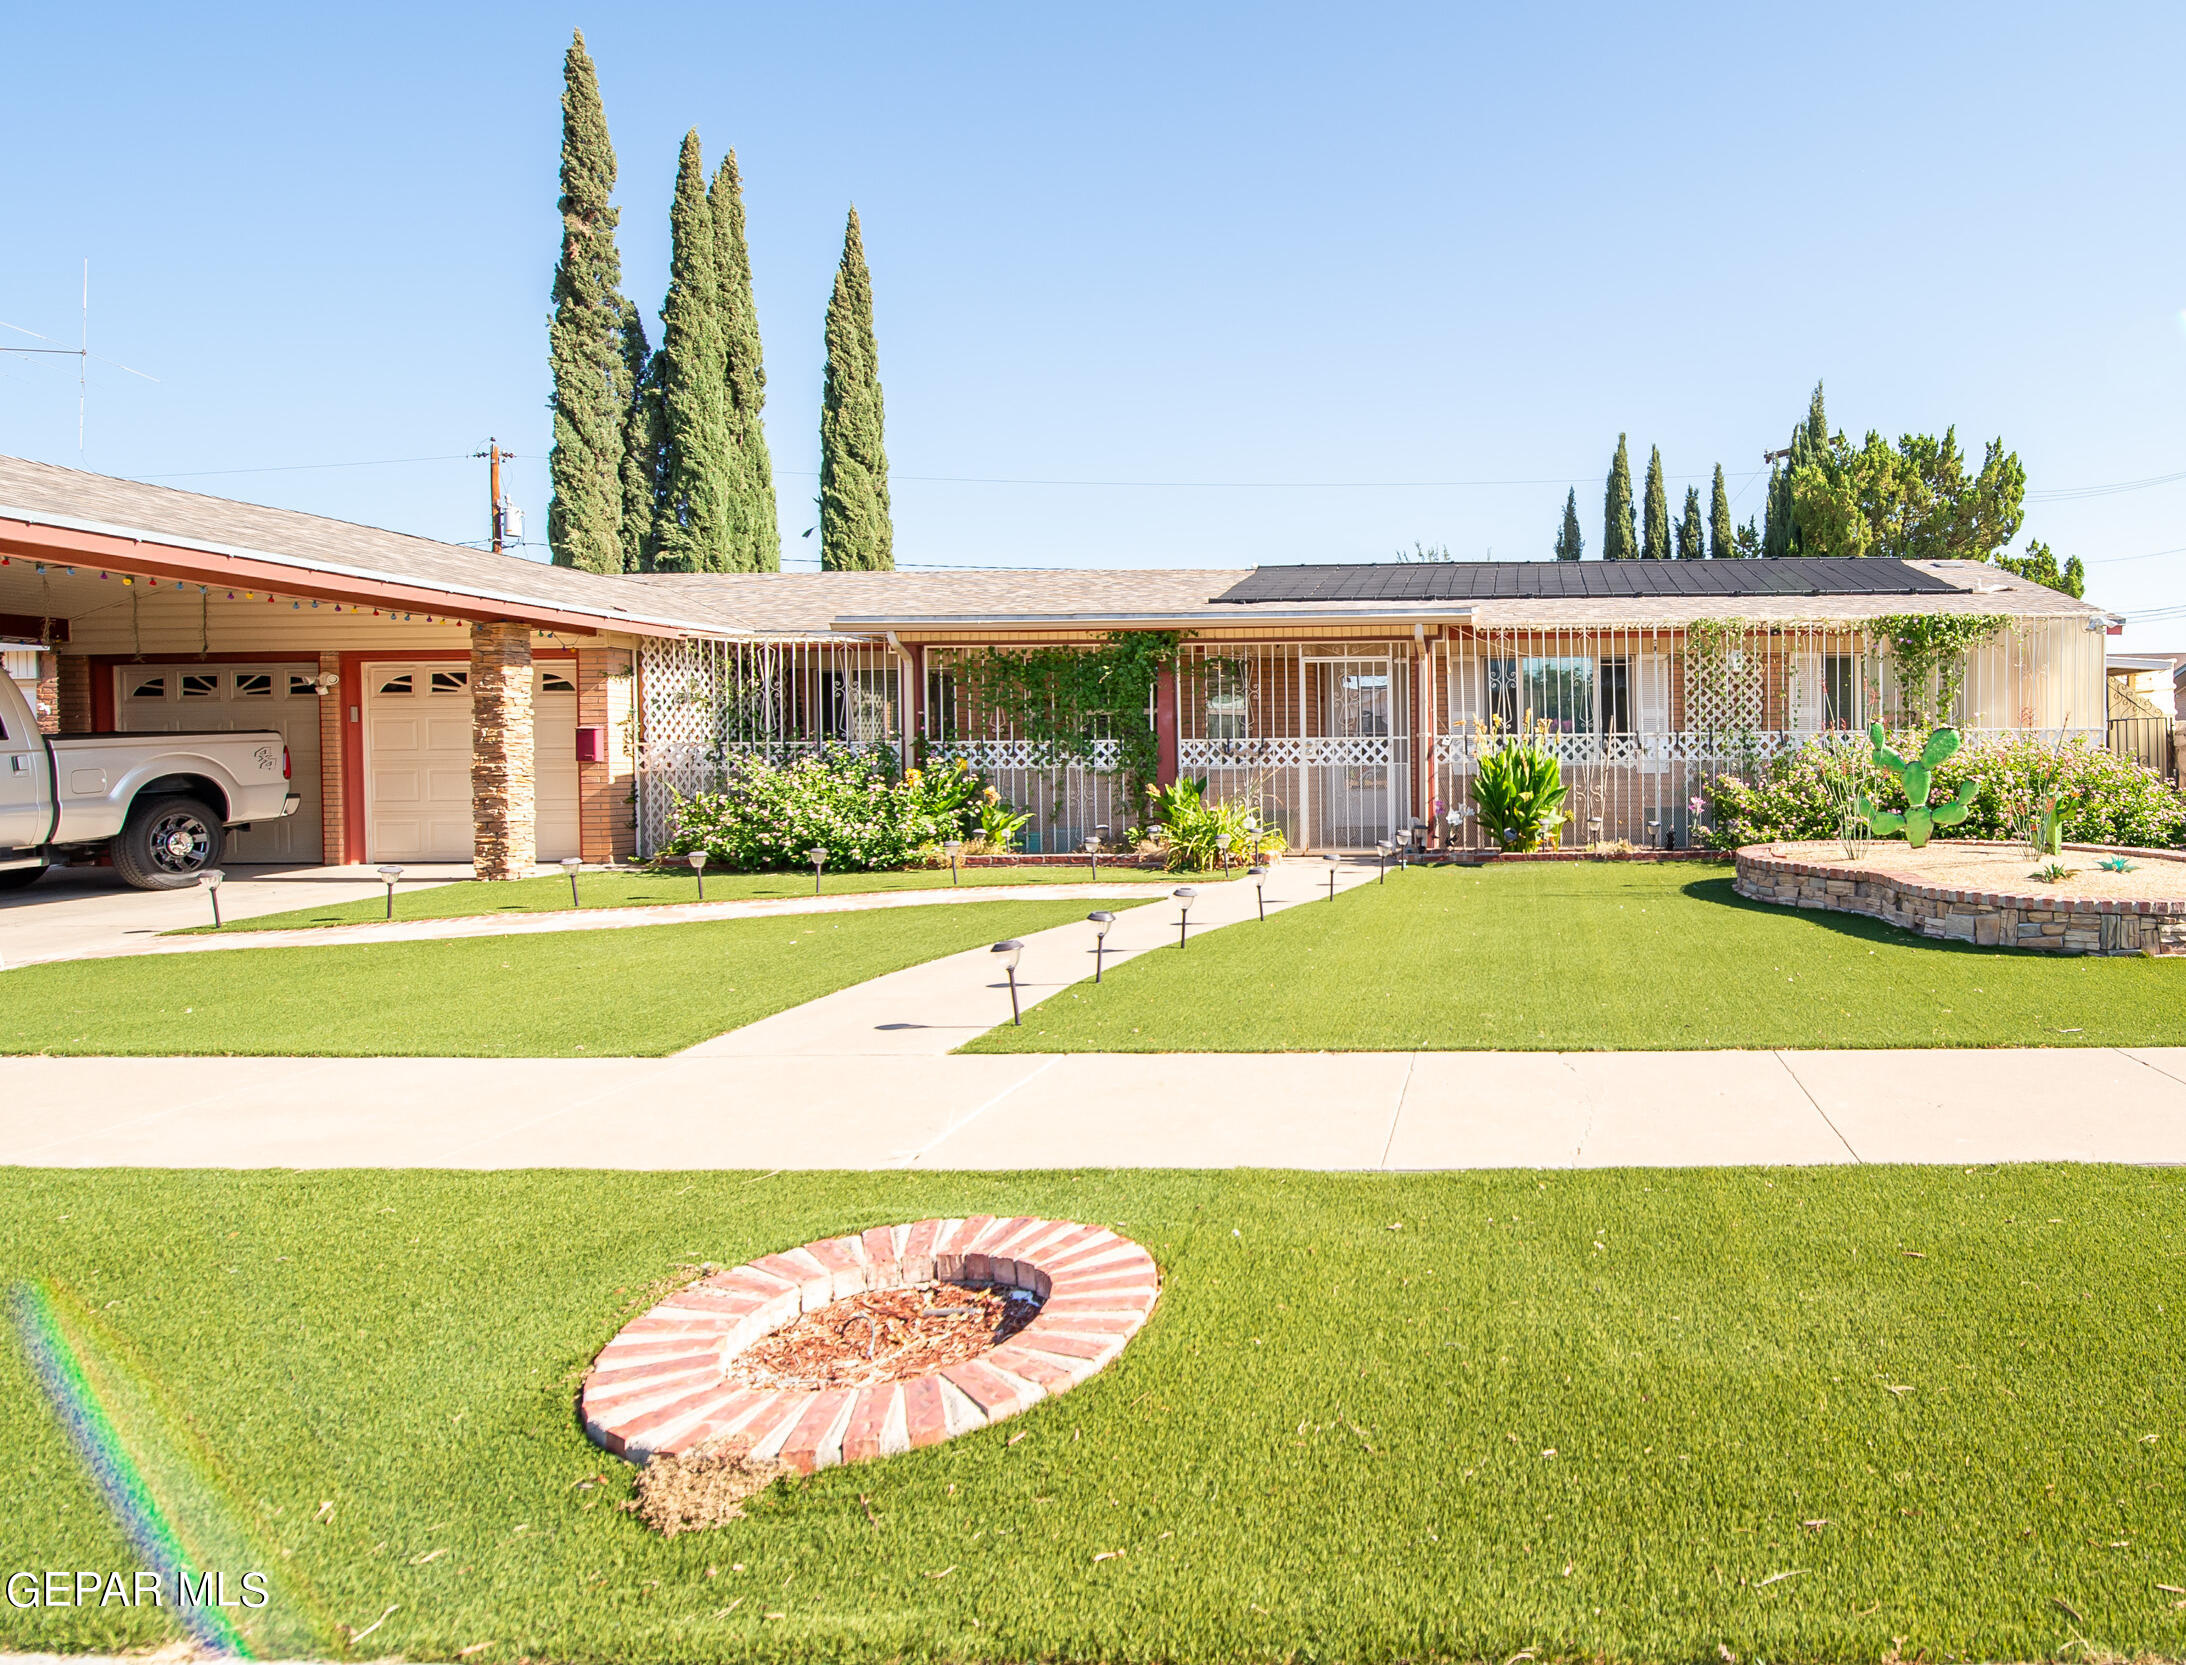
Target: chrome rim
(181,842)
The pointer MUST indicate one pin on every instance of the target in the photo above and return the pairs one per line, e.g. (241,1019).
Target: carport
(439,703)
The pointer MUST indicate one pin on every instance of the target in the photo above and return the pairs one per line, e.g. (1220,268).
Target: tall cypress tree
(1570,542)
(855,533)
(641,440)
(1618,543)
(697,487)
(755,538)
(1692,532)
(1722,540)
(584,339)
(1655,523)
(1809,444)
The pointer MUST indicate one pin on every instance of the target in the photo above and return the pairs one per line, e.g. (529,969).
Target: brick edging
(659,1387)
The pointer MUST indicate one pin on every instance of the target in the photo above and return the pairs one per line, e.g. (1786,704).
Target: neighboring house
(2143,708)
(442,703)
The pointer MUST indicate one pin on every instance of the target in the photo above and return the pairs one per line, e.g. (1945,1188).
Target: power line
(301,468)
(2068,494)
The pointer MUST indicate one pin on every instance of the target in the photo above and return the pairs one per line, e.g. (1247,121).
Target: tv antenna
(83,355)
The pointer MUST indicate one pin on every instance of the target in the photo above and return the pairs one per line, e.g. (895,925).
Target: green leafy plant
(1184,824)
(846,800)
(2118,864)
(2100,797)
(2053,872)
(999,823)
(1064,701)
(1519,788)
(1929,653)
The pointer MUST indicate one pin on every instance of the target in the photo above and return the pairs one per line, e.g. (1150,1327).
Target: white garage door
(170,698)
(417,762)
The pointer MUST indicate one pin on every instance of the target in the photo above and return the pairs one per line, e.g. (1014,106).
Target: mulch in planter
(885,1335)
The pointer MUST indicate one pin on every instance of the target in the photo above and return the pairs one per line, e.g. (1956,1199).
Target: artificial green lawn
(639,991)
(1583,957)
(637,889)
(1799,1414)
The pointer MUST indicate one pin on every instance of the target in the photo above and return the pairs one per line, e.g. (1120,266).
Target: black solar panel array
(1537,580)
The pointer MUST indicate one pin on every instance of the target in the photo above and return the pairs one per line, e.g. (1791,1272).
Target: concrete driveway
(76,913)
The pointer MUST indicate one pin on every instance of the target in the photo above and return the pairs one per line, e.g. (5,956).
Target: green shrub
(1190,823)
(844,800)
(1520,790)
(2101,798)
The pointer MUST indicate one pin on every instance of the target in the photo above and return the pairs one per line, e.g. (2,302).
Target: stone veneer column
(504,797)
(49,693)
(334,766)
(74,709)
(606,809)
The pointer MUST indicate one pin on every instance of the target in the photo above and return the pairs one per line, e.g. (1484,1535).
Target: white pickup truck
(160,804)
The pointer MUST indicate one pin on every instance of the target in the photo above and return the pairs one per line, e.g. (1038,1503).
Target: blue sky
(1296,276)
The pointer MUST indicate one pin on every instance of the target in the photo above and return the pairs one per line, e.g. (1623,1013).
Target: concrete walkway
(79,913)
(926,1011)
(1364,1111)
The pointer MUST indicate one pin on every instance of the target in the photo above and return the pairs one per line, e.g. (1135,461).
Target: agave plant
(1520,790)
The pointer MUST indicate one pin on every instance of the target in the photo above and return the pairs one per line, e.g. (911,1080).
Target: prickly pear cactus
(1920,818)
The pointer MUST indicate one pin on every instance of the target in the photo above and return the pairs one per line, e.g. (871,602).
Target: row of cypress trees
(1628,534)
(659,461)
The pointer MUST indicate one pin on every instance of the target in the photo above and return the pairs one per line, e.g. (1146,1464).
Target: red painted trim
(1165,726)
(106,553)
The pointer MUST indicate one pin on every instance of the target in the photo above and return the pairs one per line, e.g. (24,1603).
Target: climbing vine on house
(1930,653)
(1065,700)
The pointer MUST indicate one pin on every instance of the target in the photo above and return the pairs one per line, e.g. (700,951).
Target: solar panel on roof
(1549,580)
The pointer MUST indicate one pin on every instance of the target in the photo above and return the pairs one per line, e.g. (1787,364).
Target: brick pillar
(606,805)
(334,765)
(48,701)
(74,708)
(504,826)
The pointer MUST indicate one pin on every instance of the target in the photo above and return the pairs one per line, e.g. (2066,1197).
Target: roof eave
(131,547)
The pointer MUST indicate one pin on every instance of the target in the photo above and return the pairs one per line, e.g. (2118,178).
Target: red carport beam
(64,547)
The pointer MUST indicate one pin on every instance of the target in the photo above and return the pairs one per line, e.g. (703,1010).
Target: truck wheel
(21,878)
(167,842)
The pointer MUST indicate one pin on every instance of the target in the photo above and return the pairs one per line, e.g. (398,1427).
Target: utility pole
(508,521)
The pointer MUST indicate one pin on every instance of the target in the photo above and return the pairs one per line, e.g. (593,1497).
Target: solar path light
(1222,842)
(570,864)
(818,858)
(1100,923)
(388,876)
(1093,855)
(1259,877)
(697,859)
(1331,860)
(1185,896)
(1010,951)
(954,847)
(1381,861)
(212,879)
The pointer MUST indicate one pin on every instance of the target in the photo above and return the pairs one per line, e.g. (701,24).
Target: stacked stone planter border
(2054,921)
(659,1388)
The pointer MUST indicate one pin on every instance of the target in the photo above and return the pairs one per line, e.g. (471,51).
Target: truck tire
(21,878)
(167,842)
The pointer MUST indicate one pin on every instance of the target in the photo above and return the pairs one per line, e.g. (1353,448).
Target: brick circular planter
(2054,921)
(660,1387)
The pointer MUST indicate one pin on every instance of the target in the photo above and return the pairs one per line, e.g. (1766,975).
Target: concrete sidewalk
(1337,1111)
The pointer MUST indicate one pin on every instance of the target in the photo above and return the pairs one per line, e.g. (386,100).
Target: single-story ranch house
(444,704)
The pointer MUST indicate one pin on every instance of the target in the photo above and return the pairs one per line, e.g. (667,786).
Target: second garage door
(227,697)
(417,762)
